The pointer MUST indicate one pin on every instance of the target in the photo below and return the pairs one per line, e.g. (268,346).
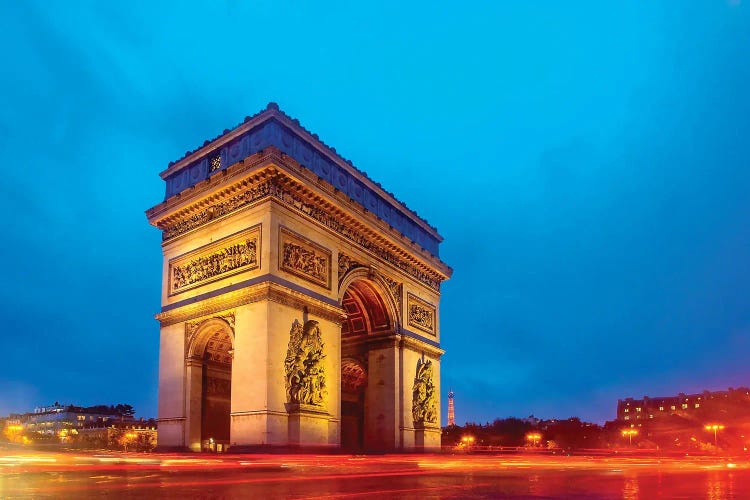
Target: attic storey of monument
(300,300)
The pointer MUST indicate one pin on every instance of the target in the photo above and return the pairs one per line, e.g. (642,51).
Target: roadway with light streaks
(86,475)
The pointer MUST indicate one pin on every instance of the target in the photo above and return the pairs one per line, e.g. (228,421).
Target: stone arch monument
(300,300)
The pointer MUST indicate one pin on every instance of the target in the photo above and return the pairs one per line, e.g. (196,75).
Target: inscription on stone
(304,258)
(225,257)
(421,314)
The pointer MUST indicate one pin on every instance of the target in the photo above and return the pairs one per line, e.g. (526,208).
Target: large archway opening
(213,350)
(366,316)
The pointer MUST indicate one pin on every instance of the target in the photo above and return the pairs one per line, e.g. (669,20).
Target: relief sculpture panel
(424,396)
(305,375)
(303,258)
(421,314)
(225,257)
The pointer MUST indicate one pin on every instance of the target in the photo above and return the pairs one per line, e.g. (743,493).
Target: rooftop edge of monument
(271,111)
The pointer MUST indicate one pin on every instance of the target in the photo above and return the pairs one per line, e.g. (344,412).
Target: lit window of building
(627,417)
(724,402)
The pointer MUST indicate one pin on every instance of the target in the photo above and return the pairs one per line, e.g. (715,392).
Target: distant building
(98,426)
(52,420)
(717,405)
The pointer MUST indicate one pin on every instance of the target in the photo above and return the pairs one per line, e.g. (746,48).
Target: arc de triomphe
(300,300)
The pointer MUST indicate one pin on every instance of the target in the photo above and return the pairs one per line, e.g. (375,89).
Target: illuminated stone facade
(300,300)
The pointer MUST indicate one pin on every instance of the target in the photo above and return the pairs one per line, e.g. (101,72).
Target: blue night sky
(587,164)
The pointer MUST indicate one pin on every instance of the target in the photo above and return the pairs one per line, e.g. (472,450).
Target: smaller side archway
(209,385)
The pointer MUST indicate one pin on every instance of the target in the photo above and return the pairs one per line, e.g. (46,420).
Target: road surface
(99,475)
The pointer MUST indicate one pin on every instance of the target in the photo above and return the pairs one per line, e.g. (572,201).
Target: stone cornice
(221,185)
(273,113)
(393,340)
(417,345)
(273,175)
(263,291)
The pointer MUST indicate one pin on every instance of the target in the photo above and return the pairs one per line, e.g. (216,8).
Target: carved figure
(420,316)
(305,375)
(305,261)
(424,398)
(346,263)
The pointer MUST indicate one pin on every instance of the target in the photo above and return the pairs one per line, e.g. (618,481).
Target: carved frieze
(218,387)
(231,255)
(420,314)
(424,395)
(303,258)
(305,373)
(274,188)
(219,209)
(327,219)
(346,264)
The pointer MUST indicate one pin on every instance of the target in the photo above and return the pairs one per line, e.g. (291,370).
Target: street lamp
(467,440)
(534,437)
(630,433)
(715,428)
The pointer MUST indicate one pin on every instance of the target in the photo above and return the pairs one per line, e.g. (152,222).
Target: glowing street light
(534,437)
(715,428)
(630,433)
(467,440)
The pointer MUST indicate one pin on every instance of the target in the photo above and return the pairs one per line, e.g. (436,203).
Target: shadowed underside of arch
(213,342)
(366,312)
(219,348)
